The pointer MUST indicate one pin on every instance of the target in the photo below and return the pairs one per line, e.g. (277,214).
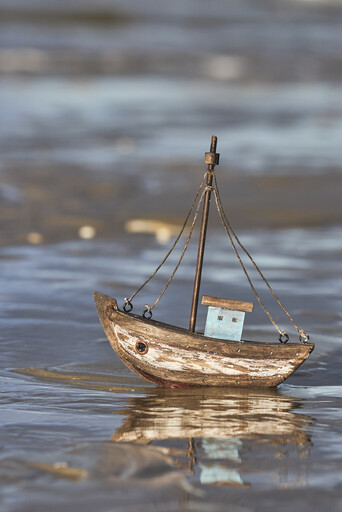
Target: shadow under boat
(216,423)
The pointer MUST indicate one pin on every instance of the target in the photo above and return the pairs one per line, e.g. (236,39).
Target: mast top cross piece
(212,158)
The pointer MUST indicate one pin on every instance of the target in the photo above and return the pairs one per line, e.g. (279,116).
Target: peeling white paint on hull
(172,356)
(175,360)
(179,360)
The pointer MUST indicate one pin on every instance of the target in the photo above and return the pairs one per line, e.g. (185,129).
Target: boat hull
(171,356)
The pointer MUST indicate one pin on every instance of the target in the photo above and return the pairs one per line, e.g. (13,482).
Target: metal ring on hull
(141,347)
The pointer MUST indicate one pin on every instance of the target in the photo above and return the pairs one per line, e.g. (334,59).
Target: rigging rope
(128,301)
(149,308)
(231,235)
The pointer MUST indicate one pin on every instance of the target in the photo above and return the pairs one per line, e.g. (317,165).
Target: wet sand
(106,111)
(105,107)
(57,202)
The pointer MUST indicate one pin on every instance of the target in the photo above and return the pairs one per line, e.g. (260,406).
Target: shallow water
(106,110)
(72,414)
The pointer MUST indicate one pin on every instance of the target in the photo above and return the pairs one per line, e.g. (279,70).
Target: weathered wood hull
(171,356)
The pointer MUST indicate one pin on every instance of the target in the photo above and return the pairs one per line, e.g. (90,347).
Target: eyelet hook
(283,337)
(303,337)
(147,313)
(128,306)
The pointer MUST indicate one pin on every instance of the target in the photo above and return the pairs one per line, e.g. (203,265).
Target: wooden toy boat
(176,357)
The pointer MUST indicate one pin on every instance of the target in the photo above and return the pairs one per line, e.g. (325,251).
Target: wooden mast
(211,159)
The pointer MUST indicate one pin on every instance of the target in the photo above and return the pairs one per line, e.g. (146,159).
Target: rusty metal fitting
(303,337)
(128,306)
(283,337)
(147,313)
(212,158)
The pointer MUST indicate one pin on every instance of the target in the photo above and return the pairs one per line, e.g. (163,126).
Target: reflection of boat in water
(212,413)
(171,356)
(218,423)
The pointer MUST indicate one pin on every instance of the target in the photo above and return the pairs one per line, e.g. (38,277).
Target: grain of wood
(236,305)
(178,358)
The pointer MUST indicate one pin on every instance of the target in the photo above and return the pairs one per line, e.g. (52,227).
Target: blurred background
(107,108)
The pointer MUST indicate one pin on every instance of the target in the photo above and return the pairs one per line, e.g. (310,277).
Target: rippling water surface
(106,110)
(78,428)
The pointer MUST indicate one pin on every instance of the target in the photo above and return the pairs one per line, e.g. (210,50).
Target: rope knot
(283,336)
(303,336)
(128,306)
(147,313)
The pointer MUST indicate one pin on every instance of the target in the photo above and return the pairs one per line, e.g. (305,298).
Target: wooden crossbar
(236,305)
